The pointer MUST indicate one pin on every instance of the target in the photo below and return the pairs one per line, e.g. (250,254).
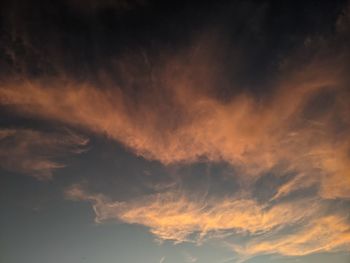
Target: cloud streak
(178,119)
(175,216)
(34,152)
(324,234)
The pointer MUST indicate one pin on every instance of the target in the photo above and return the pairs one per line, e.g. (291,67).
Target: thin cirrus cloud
(34,152)
(177,118)
(189,258)
(324,234)
(174,216)
(180,121)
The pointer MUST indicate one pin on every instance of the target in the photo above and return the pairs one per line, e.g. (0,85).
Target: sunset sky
(138,131)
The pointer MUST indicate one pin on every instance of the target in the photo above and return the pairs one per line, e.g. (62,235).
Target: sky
(174,131)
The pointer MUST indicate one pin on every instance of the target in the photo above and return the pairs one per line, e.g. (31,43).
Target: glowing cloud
(174,216)
(170,112)
(323,234)
(189,124)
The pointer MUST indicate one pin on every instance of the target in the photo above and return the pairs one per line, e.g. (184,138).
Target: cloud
(177,118)
(170,108)
(189,258)
(324,234)
(174,216)
(178,217)
(34,152)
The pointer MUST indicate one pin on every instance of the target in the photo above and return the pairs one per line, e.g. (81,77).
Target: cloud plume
(178,120)
(175,216)
(182,108)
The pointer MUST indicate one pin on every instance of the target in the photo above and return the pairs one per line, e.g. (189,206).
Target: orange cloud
(325,234)
(178,217)
(175,216)
(177,119)
(169,111)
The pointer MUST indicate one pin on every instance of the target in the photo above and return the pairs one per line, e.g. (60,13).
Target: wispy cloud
(35,152)
(169,111)
(183,123)
(190,258)
(324,234)
(173,216)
